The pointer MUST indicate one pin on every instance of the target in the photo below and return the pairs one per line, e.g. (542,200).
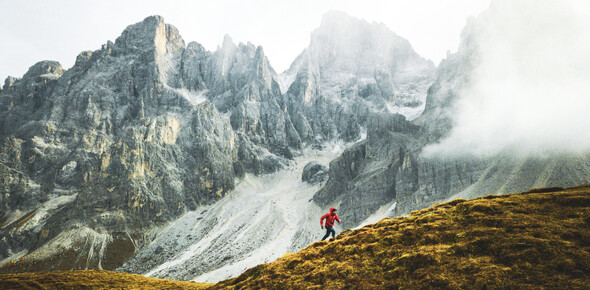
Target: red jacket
(330,218)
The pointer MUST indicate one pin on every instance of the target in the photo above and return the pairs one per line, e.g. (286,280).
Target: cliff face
(240,82)
(128,139)
(107,149)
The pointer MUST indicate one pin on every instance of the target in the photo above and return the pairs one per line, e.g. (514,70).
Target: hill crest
(539,238)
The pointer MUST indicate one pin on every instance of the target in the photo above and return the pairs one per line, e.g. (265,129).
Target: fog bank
(530,92)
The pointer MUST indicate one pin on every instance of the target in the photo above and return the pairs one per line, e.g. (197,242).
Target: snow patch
(286,79)
(195,98)
(410,113)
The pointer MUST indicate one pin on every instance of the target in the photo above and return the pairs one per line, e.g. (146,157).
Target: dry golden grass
(537,239)
(90,279)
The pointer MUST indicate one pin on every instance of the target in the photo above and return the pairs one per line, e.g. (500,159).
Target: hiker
(330,218)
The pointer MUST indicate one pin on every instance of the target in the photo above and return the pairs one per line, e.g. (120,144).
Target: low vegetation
(536,239)
(90,279)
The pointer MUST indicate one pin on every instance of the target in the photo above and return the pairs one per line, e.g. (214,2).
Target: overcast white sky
(35,30)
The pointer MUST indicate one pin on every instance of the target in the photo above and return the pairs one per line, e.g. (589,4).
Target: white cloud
(531,91)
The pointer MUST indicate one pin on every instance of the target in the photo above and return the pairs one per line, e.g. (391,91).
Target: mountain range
(158,157)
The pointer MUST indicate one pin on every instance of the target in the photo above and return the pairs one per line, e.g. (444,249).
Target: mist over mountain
(158,157)
(528,93)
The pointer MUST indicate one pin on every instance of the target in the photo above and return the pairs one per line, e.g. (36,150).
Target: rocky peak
(359,45)
(243,62)
(45,69)
(336,18)
(226,55)
(196,47)
(83,60)
(346,49)
(228,43)
(264,70)
(351,69)
(9,82)
(151,32)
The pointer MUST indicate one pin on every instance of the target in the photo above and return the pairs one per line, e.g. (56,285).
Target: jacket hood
(332,209)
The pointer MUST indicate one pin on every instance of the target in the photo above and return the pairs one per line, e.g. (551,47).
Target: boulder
(314,173)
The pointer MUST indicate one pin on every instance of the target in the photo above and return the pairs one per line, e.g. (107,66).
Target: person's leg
(333,232)
(327,233)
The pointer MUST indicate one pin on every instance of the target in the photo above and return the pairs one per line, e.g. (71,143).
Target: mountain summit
(151,31)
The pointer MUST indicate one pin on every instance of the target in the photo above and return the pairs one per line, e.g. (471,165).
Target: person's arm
(337,218)
(322,220)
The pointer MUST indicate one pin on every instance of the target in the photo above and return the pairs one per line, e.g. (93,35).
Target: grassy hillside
(89,279)
(537,239)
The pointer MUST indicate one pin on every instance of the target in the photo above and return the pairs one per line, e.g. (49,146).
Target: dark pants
(328,231)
